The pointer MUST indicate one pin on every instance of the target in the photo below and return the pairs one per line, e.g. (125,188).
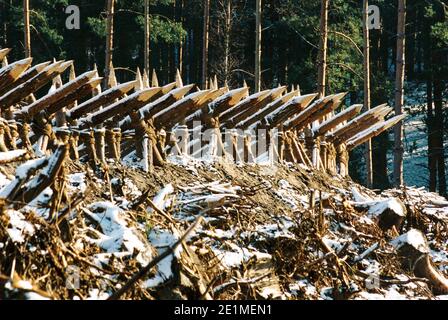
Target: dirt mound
(261,232)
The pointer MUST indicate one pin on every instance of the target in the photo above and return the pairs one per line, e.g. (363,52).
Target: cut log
(23,173)
(163,102)
(203,106)
(227,101)
(414,252)
(13,156)
(389,212)
(103,99)
(28,74)
(55,96)
(148,111)
(44,179)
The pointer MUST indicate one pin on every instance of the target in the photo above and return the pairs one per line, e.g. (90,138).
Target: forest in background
(289,52)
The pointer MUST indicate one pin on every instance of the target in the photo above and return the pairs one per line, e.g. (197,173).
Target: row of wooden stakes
(109,123)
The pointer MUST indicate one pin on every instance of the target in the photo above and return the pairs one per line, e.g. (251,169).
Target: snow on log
(44,179)
(13,155)
(12,72)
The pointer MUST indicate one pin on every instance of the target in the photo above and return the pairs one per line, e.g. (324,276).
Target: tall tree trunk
(181,44)
(147,39)
(399,98)
(205,43)
(432,161)
(411,42)
(4,14)
(380,144)
(322,69)
(227,40)
(439,128)
(26,17)
(368,144)
(257,45)
(109,40)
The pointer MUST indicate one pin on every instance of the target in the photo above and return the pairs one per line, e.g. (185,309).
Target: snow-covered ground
(415,161)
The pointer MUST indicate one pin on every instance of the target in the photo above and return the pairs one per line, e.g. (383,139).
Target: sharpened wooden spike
(168,87)
(27,75)
(243,105)
(112,81)
(210,84)
(4,62)
(154,80)
(57,82)
(4,53)
(63,65)
(215,82)
(138,80)
(244,84)
(72,75)
(289,109)
(12,72)
(179,82)
(145,79)
(298,90)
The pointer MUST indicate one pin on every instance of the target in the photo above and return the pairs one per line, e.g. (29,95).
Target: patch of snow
(77,182)
(116,232)
(19,226)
